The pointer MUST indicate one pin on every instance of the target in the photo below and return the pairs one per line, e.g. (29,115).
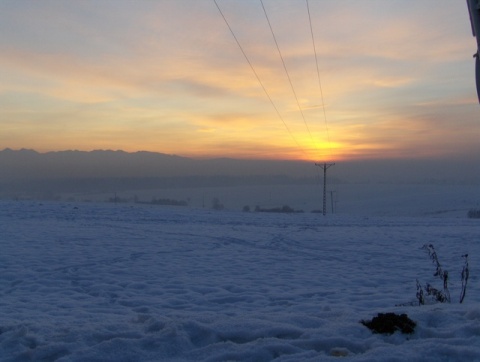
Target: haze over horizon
(30,166)
(397,79)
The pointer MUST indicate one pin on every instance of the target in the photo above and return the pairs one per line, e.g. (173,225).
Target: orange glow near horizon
(168,77)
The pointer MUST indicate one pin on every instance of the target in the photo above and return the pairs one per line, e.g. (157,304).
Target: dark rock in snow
(388,323)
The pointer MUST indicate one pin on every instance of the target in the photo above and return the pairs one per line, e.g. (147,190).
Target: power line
(325,165)
(286,72)
(256,75)
(318,77)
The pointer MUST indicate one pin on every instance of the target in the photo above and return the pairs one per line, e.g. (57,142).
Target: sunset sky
(397,78)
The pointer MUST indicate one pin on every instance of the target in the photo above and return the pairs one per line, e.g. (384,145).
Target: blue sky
(397,78)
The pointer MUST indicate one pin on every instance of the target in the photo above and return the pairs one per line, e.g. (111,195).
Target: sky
(390,79)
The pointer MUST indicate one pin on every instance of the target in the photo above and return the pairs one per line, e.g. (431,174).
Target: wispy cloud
(151,75)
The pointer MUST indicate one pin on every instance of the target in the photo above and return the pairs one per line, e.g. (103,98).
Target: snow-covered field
(105,282)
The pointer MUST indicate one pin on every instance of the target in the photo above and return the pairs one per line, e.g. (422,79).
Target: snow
(105,282)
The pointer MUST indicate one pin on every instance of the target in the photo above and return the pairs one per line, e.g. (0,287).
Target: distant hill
(27,171)
(30,164)
(80,171)
(106,163)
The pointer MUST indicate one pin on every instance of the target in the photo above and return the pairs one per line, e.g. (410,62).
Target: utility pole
(325,166)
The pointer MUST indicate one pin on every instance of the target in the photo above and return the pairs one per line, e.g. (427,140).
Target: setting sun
(393,80)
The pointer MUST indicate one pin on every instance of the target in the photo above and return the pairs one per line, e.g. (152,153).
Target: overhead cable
(256,75)
(318,77)
(286,72)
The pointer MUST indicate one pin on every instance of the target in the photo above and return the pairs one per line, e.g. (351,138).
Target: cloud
(154,74)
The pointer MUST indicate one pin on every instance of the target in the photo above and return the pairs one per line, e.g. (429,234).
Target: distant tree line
(474,213)
(216,204)
(283,209)
(167,202)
